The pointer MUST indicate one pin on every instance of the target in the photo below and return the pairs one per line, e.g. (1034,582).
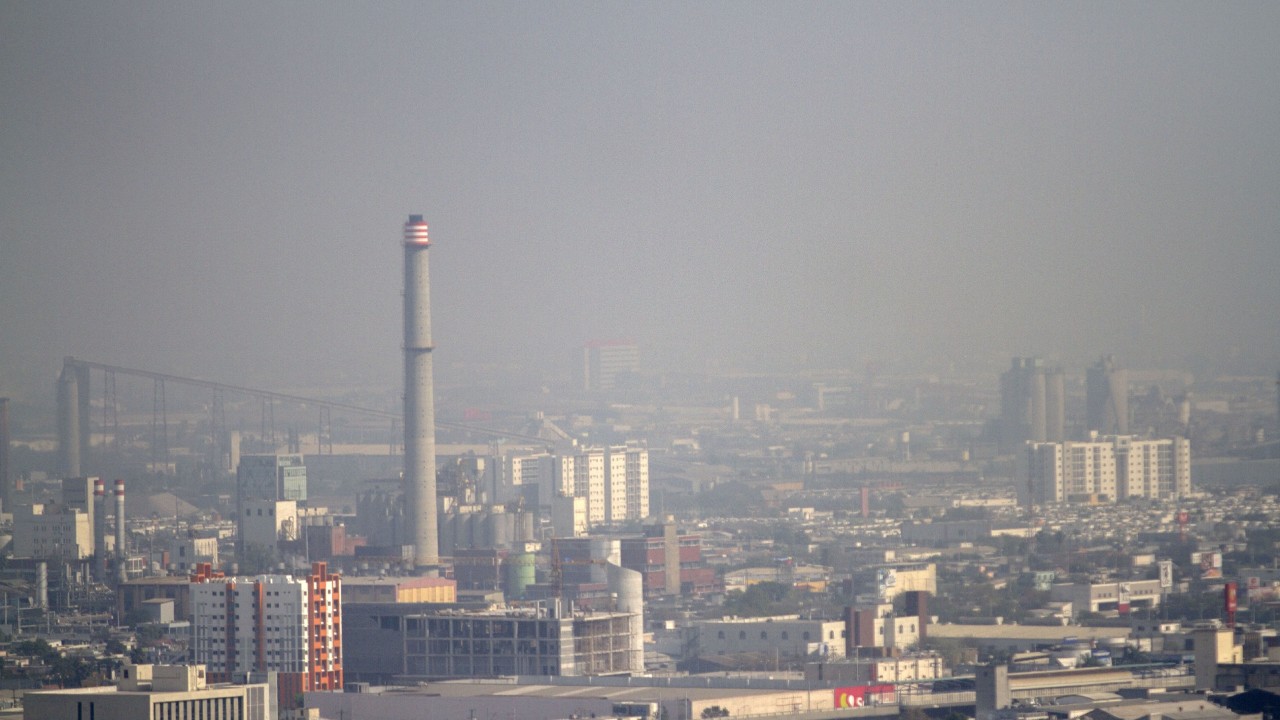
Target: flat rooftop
(1046,633)
(404,582)
(468,689)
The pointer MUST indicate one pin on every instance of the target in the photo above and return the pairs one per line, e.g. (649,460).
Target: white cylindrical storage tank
(448,527)
(499,535)
(525,527)
(628,586)
(604,550)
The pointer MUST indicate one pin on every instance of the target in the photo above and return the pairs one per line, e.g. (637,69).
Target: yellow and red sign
(863,695)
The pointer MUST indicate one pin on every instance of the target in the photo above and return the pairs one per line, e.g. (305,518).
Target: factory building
(1032,404)
(468,527)
(132,595)
(271,477)
(155,691)
(1107,398)
(525,641)
(52,532)
(789,635)
(1108,469)
(185,553)
(380,517)
(264,524)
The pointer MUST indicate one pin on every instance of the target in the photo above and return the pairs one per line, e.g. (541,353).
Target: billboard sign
(1210,565)
(863,695)
(1166,574)
(886,580)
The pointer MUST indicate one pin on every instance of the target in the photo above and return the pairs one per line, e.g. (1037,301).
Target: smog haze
(218,191)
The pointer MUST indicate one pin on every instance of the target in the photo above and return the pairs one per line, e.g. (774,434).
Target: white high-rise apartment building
(1108,469)
(589,482)
(614,481)
(513,476)
(279,623)
(237,621)
(615,489)
(635,469)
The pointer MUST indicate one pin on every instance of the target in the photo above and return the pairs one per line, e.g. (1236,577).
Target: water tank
(608,550)
(628,586)
(521,573)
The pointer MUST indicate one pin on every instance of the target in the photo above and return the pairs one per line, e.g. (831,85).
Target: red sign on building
(863,695)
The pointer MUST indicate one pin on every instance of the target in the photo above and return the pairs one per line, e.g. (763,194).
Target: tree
(761,599)
(70,671)
(39,648)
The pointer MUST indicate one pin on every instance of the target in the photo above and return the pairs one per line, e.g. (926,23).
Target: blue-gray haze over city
(217,189)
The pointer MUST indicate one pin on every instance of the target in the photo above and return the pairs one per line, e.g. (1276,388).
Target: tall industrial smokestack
(6,484)
(100,530)
(121,550)
(419,398)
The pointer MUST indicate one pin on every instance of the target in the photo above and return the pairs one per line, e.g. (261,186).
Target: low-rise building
(877,626)
(789,635)
(399,590)
(131,595)
(264,524)
(155,691)
(187,552)
(1122,596)
(878,670)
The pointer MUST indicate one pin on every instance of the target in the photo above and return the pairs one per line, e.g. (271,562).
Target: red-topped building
(270,623)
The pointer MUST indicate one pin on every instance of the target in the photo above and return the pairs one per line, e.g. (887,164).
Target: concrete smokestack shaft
(419,398)
(121,550)
(6,490)
(100,529)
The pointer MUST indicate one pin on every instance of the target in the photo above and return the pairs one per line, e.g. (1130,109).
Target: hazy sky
(217,189)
